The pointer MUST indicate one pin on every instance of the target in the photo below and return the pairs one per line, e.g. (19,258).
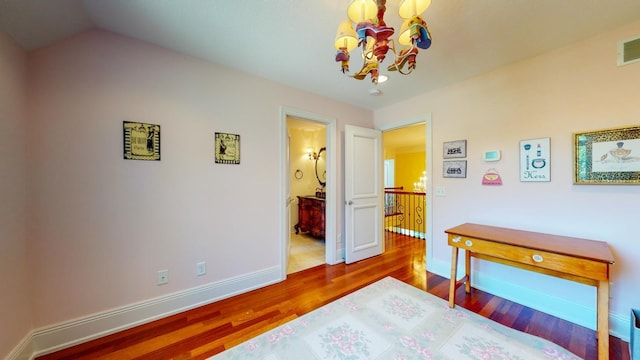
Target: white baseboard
(53,338)
(552,305)
(24,350)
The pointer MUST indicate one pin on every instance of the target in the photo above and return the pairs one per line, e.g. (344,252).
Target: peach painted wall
(103,225)
(15,310)
(576,88)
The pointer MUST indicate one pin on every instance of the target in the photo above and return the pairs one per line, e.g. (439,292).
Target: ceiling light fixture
(374,36)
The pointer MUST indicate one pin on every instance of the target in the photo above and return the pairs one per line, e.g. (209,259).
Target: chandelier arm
(392,47)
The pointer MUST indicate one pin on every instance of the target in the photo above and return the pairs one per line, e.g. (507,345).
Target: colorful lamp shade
(415,31)
(346,36)
(362,11)
(411,8)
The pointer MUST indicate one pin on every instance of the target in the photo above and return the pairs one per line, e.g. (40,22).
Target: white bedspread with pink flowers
(392,320)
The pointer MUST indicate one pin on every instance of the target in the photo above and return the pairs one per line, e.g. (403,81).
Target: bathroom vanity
(311,215)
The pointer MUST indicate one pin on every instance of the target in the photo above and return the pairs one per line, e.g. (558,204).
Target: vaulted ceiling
(291,41)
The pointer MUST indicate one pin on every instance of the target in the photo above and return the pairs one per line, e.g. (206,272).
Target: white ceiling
(291,41)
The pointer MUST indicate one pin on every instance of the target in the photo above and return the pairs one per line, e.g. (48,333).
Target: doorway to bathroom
(308,180)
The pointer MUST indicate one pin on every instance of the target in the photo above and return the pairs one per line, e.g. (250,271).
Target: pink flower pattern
(413,344)
(481,350)
(403,307)
(343,342)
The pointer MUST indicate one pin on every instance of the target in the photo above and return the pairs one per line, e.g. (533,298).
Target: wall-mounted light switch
(163,277)
(201,268)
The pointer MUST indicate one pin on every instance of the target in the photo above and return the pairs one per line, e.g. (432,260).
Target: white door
(363,193)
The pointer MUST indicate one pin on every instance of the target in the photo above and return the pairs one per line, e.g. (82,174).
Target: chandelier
(374,37)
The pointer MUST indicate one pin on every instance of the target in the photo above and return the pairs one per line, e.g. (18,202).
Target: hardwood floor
(210,329)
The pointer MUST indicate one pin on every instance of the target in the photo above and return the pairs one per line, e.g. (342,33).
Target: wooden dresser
(580,260)
(311,216)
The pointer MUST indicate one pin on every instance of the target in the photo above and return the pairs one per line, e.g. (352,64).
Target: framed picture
(535,160)
(227,148)
(454,169)
(454,149)
(141,141)
(610,156)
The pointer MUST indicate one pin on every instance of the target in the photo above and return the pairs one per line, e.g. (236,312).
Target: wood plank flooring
(210,329)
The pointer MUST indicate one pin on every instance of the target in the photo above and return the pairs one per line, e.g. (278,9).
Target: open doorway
(405,180)
(408,166)
(285,205)
(307,164)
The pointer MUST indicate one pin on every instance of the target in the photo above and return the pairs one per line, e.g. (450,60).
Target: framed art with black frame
(141,141)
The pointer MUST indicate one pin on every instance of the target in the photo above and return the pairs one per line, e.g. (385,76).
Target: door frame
(426,119)
(331,187)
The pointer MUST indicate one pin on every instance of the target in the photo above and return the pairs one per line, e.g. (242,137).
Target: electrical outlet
(441,191)
(201,268)
(163,277)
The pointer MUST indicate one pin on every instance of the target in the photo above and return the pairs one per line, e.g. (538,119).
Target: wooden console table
(584,261)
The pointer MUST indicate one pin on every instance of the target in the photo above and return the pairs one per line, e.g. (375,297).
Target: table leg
(467,268)
(454,277)
(603,320)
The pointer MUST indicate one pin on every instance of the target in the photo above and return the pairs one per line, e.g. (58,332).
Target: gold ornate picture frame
(610,156)
(227,148)
(141,141)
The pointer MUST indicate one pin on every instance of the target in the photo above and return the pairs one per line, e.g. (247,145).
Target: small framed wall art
(454,169)
(610,156)
(141,141)
(454,149)
(227,148)
(535,160)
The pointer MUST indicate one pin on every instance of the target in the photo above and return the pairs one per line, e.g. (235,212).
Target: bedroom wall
(15,310)
(103,225)
(574,89)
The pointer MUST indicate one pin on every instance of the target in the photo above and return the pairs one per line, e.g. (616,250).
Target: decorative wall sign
(535,160)
(141,141)
(454,169)
(491,177)
(227,148)
(609,156)
(454,149)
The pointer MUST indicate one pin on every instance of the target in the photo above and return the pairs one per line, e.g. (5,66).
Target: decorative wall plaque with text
(141,141)
(227,148)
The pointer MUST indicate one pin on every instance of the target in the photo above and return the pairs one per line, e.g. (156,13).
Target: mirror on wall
(321,167)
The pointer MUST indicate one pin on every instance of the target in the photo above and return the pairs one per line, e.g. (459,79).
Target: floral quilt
(392,320)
